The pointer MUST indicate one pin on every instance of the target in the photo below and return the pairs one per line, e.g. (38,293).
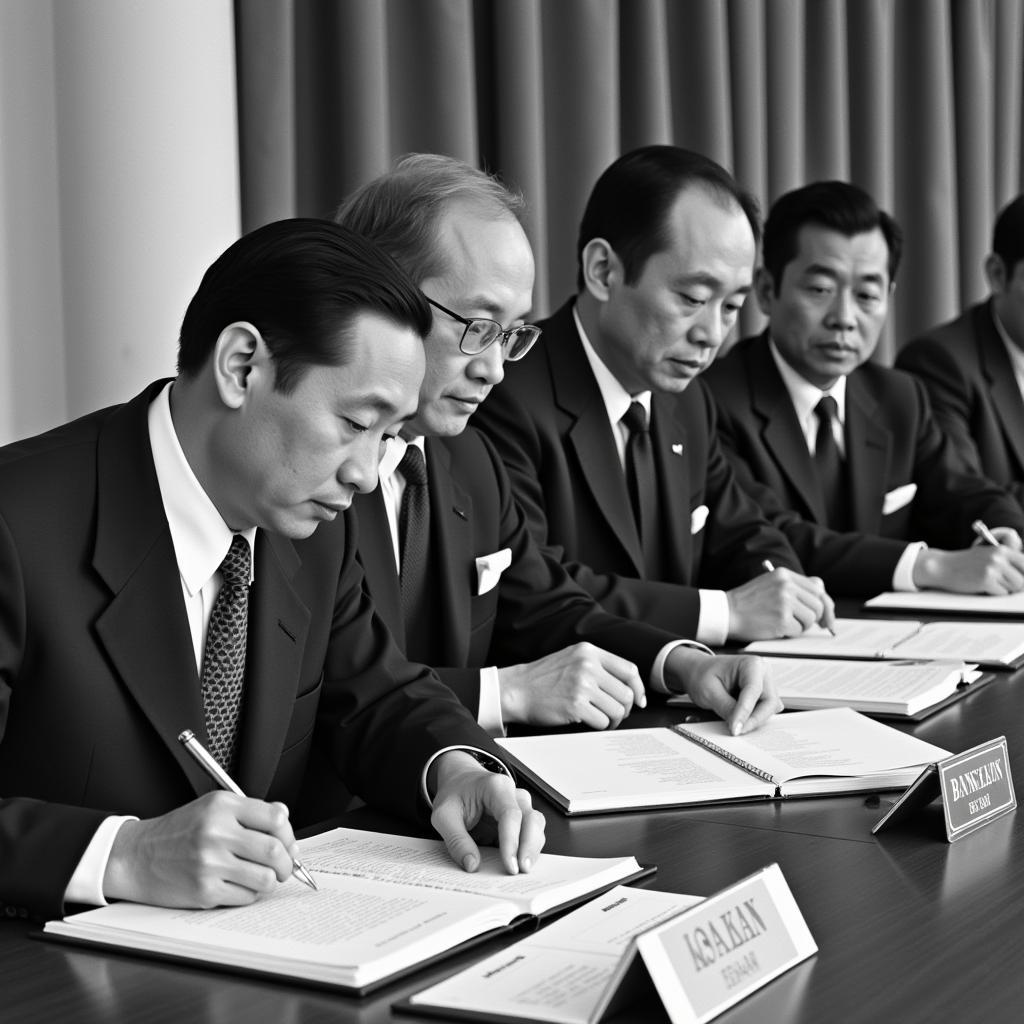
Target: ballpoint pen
(205,760)
(985,533)
(769,566)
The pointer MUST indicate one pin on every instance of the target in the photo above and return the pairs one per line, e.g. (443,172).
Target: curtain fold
(136,131)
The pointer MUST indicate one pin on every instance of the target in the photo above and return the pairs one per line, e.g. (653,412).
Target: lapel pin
(677,449)
(458,511)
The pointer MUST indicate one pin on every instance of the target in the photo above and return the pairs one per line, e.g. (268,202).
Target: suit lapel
(451,512)
(278,624)
(377,555)
(1002,381)
(780,428)
(868,447)
(590,436)
(144,629)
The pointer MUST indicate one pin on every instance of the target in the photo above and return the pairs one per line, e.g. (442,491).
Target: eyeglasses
(480,333)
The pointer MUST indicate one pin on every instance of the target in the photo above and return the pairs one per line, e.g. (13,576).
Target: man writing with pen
(843,454)
(185,562)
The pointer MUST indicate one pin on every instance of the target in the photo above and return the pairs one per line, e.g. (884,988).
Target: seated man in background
(448,559)
(609,440)
(841,453)
(973,366)
(123,622)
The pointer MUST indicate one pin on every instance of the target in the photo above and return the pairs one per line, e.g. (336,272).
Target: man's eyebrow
(708,281)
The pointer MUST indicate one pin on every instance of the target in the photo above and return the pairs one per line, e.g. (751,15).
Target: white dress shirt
(805,397)
(713,619)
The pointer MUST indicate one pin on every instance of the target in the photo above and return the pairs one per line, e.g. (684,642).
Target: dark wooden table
(909,927)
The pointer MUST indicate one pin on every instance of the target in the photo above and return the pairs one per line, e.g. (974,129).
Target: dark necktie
(224,654)
(641,482)
(829,464)
(414,533)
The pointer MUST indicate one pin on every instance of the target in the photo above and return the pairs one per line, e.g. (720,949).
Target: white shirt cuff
(86,885)
(489,761)
(903,574)
(489,714)
(658,668)
(713,621)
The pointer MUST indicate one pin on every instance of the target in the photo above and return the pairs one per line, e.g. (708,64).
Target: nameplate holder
(976,788)
(711,956)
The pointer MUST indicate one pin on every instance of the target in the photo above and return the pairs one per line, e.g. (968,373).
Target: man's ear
(995,273)
(764,289)
(238,353)
(601,268)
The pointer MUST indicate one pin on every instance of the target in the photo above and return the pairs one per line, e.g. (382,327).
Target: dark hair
(1008,236)
(630,203)
(836,205)
(300,283)
(399,210)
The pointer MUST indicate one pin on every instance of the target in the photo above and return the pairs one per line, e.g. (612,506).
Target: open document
(385,904)
(566,973)
(992,644)
(799,753)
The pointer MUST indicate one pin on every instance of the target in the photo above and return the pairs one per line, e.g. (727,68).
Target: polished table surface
(909,927)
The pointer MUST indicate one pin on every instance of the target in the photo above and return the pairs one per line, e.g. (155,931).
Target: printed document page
(867,686)
(405,860)
(995,643)
(563,973)
(628,768)
(825,751)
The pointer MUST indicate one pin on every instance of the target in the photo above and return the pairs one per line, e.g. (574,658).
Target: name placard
(710,957)
(976,788)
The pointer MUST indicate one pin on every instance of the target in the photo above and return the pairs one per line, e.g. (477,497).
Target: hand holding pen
(828,615)
(206,761)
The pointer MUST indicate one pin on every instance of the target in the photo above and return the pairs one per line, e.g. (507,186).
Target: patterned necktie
(414,533)
(829,464)
(641,483)
(224,655)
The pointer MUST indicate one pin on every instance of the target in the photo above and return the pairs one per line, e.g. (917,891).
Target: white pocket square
(898,498)
(698,517)
(489,569)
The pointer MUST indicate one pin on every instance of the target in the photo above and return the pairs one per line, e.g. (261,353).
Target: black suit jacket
(534,610)
(891,441)
(98,674)
(549,425)
(970,380)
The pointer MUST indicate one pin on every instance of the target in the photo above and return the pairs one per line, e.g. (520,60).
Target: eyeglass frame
(502,333)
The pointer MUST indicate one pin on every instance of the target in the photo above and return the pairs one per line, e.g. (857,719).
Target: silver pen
(206,761)
(985,533)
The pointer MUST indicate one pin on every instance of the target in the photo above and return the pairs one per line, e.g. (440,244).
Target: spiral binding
(727,754)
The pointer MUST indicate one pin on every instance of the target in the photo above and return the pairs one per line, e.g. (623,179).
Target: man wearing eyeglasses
(474,592)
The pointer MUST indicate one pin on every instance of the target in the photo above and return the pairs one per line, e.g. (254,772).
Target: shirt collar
(803,394)
(394,453)
(200,536)
(616,398)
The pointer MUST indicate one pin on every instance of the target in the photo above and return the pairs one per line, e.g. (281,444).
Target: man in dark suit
(511,632)
(300,351)
(973,366)
(843,454)
(646,513)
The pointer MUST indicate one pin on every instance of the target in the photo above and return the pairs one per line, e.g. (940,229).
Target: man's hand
(470,798)
(581,683)
(218,850)
(778,603)
(736,687)
(982,569)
